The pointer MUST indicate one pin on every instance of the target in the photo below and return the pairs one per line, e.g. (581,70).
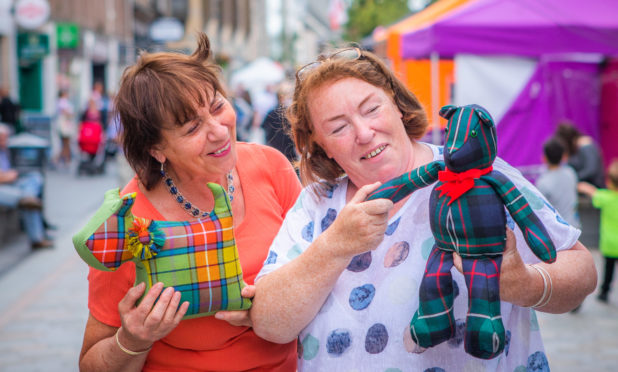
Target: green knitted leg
(484,329)
(433,322)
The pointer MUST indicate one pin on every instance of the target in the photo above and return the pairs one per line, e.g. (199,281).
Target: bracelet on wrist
(548,287)
(127,351)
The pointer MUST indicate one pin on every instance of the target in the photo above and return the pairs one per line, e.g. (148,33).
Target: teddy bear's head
(470,138)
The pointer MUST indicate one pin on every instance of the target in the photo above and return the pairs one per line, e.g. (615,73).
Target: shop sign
(32,46)
(67,35)
(31,14)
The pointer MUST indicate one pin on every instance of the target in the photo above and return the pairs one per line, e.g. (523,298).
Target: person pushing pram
(91,142)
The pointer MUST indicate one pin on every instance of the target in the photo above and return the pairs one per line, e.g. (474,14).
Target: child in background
(607,201)
(559,183)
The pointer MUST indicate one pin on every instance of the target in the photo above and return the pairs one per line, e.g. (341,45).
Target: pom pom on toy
(145,239)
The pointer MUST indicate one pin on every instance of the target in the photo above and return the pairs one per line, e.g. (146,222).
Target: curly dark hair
(567,132)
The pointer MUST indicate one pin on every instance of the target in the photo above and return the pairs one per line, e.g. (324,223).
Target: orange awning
(392,34)
(416,74)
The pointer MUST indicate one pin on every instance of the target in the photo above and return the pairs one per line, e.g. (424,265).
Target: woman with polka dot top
(343,273)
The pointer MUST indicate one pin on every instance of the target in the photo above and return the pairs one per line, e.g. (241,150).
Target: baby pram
(90,140)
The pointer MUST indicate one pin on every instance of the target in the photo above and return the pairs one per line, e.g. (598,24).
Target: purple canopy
(520,27)
(544,102)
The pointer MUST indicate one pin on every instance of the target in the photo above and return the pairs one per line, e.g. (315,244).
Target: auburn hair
(315,166)
(162,90)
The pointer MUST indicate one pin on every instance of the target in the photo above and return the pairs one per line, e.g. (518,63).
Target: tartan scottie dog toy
(197,258)
(467,216)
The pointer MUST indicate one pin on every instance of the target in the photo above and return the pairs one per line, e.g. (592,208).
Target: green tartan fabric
(434,322)
(535,234)
(473,225)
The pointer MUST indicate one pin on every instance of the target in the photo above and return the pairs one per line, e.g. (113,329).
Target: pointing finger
(362,193)
(377,206)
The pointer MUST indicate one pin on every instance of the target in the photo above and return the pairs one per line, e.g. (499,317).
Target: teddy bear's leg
(433,322)
(484,336)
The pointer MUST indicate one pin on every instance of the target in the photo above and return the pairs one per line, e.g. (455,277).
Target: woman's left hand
(239,318)
(515,275)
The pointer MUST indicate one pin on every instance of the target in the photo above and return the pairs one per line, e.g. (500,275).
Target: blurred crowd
(260,117)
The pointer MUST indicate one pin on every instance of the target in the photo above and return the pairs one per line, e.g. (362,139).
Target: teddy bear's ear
(447,111)
(484,115)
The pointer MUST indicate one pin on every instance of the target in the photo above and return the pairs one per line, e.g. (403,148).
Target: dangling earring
(162,169)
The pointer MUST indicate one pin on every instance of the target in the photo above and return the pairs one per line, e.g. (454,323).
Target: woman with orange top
(177,122)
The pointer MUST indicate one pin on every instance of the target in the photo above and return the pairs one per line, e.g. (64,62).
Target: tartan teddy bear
(198,258)
(466,211)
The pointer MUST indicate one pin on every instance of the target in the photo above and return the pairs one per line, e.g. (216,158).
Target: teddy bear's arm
(534,231)
(402,186)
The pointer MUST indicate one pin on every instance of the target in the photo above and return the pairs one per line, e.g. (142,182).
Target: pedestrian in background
(276,126)
(263,100)
(558,183)
(23,190)
(9,110)
(92,113)
(101,101)
(244,113)
(607,201)
(583,154)
(67,127)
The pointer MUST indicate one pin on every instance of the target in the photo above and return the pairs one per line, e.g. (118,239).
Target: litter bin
(28,152)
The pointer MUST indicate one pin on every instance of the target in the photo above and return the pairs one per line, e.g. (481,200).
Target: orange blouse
(270,187)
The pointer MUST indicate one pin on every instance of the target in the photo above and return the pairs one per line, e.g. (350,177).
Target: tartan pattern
(402,186)
(485,335)
(108,243)
(474,225)
(462,149)
(433,322)
(533,230)
(198,258)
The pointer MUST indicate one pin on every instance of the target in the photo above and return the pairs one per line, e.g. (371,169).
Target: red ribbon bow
(456,184)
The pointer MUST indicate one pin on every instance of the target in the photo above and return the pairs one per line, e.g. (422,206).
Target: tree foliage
(365,15)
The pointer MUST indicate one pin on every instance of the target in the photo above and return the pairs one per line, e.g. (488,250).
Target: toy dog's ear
(447,111)
(102,242)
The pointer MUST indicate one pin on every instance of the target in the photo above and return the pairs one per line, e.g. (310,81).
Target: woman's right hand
(148,322)
(360,225)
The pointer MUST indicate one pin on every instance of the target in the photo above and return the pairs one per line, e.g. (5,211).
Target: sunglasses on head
(348,54)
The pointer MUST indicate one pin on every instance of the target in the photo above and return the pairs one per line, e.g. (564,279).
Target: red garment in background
(90,137)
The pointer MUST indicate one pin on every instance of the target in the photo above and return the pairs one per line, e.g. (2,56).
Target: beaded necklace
(187,205)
